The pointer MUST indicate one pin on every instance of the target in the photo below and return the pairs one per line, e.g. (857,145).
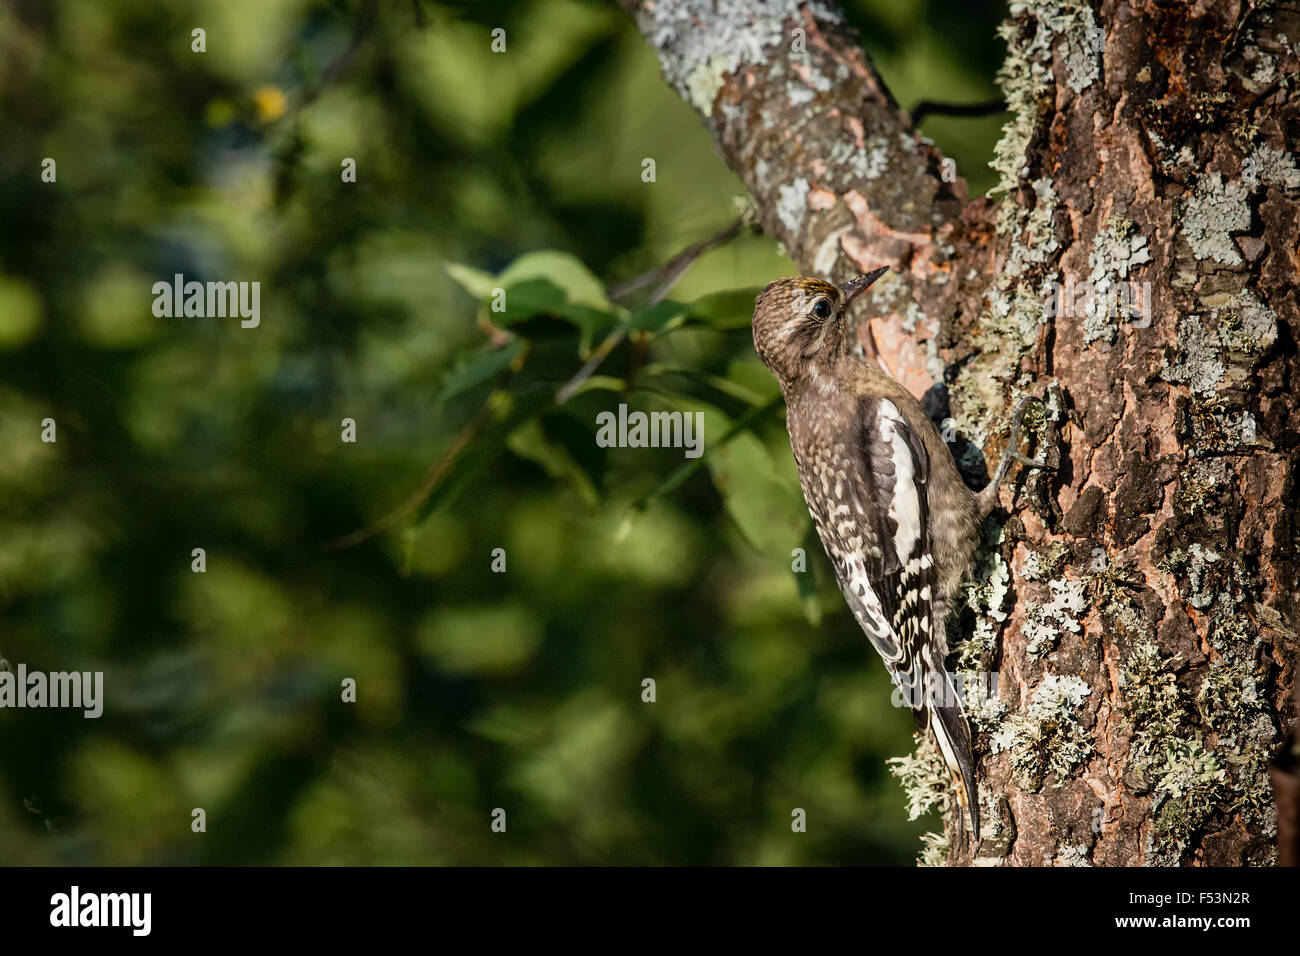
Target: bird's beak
(855,287)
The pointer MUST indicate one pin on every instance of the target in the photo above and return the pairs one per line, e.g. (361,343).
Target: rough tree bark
(1138,605)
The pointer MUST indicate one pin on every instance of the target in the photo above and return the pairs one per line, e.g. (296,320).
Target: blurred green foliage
(476,689)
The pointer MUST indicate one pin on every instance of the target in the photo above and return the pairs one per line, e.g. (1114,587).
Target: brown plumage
(897,522)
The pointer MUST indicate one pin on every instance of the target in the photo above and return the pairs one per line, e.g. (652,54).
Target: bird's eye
(822,308)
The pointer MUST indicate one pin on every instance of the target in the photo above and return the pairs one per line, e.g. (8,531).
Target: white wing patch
(905,504)
(866,607)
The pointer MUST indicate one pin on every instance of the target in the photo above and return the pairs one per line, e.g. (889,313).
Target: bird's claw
(1031,462)
(987,499)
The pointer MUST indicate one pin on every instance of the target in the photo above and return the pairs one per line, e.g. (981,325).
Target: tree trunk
(1137,604)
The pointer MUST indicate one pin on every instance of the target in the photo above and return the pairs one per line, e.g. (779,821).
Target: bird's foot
(1030,462)
(987,499)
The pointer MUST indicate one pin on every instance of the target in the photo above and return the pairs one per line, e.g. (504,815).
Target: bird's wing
(888,578)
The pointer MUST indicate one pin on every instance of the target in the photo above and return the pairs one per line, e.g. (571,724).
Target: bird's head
(799,319)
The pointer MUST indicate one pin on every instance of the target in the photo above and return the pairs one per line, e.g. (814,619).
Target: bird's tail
(952,733)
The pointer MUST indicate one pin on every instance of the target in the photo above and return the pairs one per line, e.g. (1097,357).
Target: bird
(895,518)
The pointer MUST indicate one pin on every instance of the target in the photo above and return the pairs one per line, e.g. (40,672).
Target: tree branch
(837,170)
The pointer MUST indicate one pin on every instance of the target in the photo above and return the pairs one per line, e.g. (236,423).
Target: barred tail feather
(951,732)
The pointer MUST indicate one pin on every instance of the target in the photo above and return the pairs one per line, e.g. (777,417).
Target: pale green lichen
(1010,326)
(1116,250)
(1231,701)
(1242,327)
(983,705)
(1017,318)
(1032,228)
(1193,566)
(1120,227)
(1228,692)
(702,42)
(1192,774)
(1232,634)
(1152,699)
(1072,854)
(792,204)
(1084,42)
(1045,564)
(1026,74)
(1189,782)
(978,395)
(1044,623)
(1113,597)
(1212,211)
(1274,167)
(869,161)
(1196,490)
(1016,308)
(992,829)
(924,778)
(1200,364)
(1046,739)
(934,850)
(705,80)
(986,594)
(1248,754)
(1246,325)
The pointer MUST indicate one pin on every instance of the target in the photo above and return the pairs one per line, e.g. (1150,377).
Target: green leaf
(562,270)
(602,383)
(770,514)
(657,317)
(574,434)
(746,421)
(531,441)
(719,384)
(478,367)
(534,297)
(543,283)
(505,410)
(477,283)
(806,580)
(733,309)
(528,298)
